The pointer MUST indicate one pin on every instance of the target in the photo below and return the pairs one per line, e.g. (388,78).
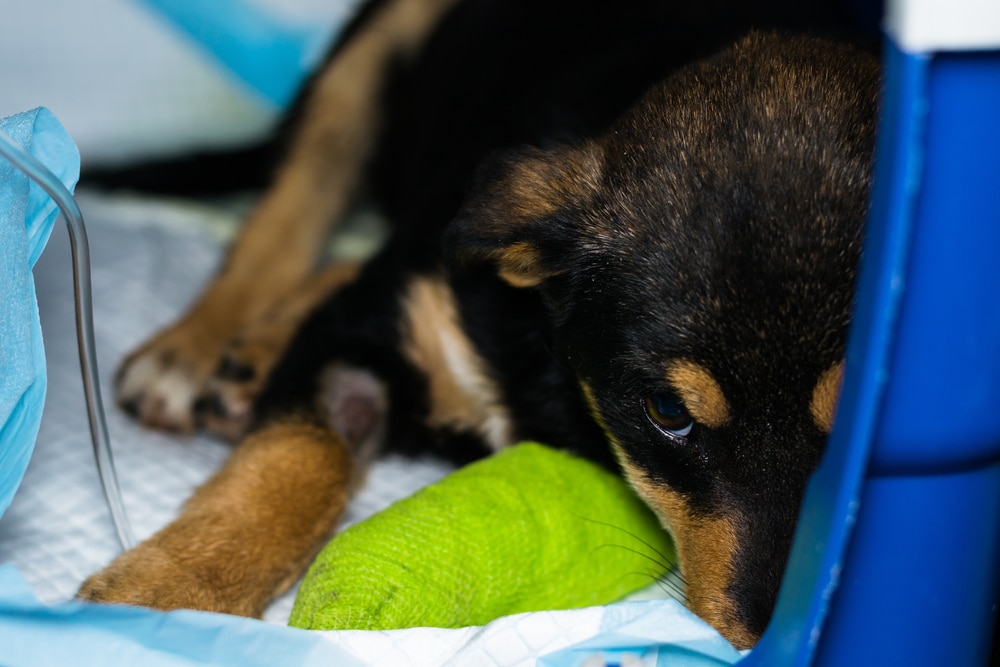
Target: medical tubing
(83,302)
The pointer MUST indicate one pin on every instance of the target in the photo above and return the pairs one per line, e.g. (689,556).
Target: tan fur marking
(700,393)
(247,534)
(521,265)
(539,187)
(706,547)
(824,399)
(542,186)
(462,394)
(533,188)
(595,412)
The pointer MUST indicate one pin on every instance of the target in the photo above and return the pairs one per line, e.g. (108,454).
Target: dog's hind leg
(244,536)
(279,245)
(251,530)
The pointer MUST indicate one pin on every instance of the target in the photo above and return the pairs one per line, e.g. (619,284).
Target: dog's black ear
(522,213)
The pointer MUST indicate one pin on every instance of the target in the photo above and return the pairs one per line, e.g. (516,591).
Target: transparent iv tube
(83,302)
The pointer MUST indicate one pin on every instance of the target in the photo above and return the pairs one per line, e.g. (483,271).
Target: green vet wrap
(530,528)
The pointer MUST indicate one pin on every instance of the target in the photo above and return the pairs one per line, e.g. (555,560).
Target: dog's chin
(711,597)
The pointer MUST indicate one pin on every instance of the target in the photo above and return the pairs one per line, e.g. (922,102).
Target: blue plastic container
(897,560)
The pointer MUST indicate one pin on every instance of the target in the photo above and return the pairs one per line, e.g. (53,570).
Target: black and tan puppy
(656,273)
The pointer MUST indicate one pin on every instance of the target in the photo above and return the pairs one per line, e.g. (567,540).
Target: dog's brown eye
(666,411)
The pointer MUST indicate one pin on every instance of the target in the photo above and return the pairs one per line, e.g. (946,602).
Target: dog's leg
(162,381)
(250,531)
(246,535)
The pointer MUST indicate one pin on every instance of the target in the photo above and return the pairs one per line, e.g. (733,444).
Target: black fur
(713,232)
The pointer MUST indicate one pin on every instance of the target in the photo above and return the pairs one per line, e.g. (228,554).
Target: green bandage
(528,529)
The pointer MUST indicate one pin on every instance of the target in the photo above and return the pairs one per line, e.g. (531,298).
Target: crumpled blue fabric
(89,635)
(27,215)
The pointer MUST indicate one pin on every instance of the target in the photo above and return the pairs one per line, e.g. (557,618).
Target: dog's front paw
(227,401)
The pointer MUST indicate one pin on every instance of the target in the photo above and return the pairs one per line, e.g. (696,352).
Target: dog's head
(698,264)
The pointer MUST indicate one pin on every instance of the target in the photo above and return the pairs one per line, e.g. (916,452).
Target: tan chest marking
(463,396)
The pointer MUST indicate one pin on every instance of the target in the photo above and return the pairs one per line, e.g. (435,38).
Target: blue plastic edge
(901,567)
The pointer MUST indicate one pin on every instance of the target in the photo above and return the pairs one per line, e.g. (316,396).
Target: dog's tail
(198,174)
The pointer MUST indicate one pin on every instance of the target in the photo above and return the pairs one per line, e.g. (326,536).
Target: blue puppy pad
(27,215)
(90,635)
